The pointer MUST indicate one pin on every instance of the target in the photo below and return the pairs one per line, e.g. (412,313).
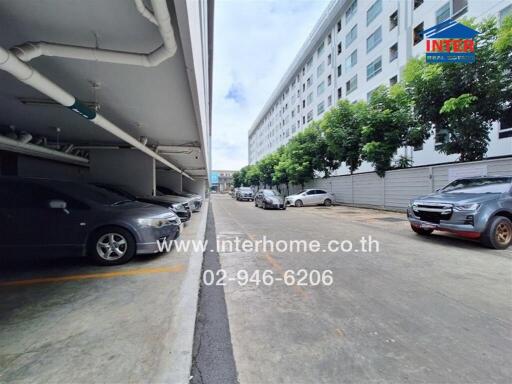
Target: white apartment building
(356,46)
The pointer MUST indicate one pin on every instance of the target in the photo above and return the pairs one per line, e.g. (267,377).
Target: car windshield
(118,191)
(269,193)
(479,185)
(92,193)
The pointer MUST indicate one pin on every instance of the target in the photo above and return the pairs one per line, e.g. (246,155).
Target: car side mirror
(59,204)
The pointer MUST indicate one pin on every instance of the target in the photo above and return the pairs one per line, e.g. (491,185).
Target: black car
(61,217)
(182,210)
(267,199)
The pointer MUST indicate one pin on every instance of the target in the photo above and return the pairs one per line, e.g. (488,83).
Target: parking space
(67,321)
(420,309)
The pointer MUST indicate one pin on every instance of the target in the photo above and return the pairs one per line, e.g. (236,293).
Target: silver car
(311,197)
(475,208)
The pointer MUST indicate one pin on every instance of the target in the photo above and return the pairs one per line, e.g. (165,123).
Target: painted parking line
(89,276)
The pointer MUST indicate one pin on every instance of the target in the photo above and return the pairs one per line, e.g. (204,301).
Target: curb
(176,360)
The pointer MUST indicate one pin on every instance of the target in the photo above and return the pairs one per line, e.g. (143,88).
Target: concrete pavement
(422,310)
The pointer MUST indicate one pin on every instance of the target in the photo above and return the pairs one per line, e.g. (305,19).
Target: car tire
(422,231)
(264,205)
(255,203)
(498,234)
(98,246)
(299,203)
(327,202)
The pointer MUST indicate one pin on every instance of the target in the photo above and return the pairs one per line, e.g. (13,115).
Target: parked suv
(60,217)
(267,198)
(476,208)
(311,197)
(245,193)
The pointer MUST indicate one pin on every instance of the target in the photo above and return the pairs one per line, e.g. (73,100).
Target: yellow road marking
(101,275)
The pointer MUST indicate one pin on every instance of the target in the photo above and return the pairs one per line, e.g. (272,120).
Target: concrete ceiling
(153,102)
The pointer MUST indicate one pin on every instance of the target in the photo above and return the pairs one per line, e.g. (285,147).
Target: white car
(311,197)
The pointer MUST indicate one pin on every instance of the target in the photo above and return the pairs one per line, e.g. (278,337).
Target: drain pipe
(28,75)
(31,50)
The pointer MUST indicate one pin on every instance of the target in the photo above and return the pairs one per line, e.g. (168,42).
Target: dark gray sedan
(59,217)
(476,208)
(268,199)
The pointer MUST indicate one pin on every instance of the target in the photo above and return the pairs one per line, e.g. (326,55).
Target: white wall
(127,167)
(197,186)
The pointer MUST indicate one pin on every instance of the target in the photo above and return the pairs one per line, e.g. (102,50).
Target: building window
(329,38)
(320,88)
(329,101)
(393,20)
(443,13)
(374,39)
(369,94)
(339,70)
(309,99)
(441,137)
(339,93)
(303,120)
(506,124)
(351,11)
(310,116)
(351,61)
(459,7)
(351,85)
(303,104)
(393,52)
(329,80)
(303,87)
(393,80)
(418,33)
(320,108)
(309,63)
(329,59)
(339,48)
(374,11)
(320,49)
(417,3)
(351,36)
(320,69)
(308,82)
(338,26)
(374,68)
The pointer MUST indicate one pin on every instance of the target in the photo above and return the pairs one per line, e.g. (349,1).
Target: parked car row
(268,198)
(107,223)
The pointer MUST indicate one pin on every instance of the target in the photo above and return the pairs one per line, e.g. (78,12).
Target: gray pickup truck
(475,207)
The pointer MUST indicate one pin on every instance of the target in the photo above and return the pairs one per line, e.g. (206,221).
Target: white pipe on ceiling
(28,75)
(39,151)
(161,17)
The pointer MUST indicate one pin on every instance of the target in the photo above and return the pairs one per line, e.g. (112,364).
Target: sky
(255,42)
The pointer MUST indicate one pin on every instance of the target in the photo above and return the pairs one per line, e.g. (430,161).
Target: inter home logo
(450,42)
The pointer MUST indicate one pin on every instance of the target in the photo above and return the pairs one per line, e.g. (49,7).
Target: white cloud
(254,44)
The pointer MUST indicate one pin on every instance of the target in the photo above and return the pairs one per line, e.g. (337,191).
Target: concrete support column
(123,167)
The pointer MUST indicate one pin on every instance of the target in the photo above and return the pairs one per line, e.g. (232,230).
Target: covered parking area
(115,92)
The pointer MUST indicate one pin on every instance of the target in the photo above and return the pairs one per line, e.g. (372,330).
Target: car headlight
(158,222)
(467,207)
(178,207)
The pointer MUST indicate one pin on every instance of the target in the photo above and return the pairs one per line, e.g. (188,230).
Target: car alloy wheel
(299,203)
(503,233)
(111,246)
(327,202)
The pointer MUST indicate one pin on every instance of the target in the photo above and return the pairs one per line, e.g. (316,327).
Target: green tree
(237,180)
(253,176)
(389,124)
(281,175)
(462,100)
(266,167)
(243,176)
(342,131)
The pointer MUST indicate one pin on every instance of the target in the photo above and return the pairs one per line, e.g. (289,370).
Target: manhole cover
(393,219)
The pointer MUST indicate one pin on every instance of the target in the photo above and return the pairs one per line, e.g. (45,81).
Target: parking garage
(114,93)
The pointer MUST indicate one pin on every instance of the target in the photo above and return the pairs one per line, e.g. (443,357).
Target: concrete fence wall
(399,186)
